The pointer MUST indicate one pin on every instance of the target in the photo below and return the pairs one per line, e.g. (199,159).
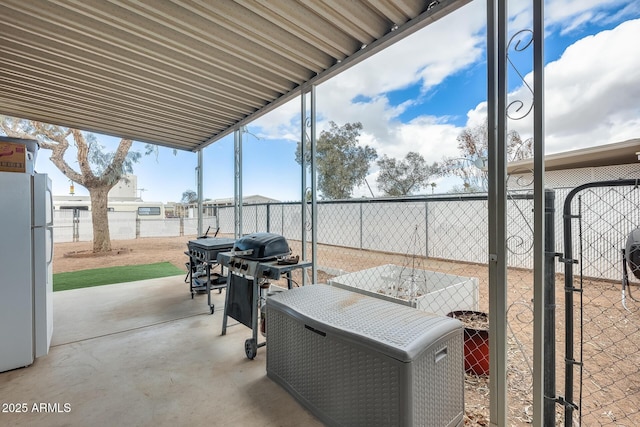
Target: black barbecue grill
(261,247)
(252,255)
(203,256)
(252,262)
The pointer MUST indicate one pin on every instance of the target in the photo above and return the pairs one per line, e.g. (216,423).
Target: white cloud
(569,15)
(591,92)
(281,123)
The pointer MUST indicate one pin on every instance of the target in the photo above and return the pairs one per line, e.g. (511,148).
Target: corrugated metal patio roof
(183,74)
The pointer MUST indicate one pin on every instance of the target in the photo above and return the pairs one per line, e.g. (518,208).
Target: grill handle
(241,253)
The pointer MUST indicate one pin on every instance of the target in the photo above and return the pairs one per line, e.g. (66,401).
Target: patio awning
(184,74)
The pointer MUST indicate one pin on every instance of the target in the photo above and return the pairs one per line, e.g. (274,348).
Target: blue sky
(419,94)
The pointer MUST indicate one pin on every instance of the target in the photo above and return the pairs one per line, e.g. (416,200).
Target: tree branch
(113,172)
(83,155)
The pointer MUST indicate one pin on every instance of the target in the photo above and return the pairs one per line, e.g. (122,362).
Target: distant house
(210,206)
(247,200)
(122,198)
(573,168)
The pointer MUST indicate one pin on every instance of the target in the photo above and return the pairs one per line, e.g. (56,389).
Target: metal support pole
(303,179)
(497,130)
(540,215)
(199,180)
(314,198)
(237,182)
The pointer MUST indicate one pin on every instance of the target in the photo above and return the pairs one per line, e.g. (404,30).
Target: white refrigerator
(26,275)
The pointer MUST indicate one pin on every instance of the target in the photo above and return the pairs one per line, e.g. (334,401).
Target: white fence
(446,227)
(453,228)
(78,227)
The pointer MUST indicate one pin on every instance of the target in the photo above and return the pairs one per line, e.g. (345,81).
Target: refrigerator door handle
(50,255)
(50,213)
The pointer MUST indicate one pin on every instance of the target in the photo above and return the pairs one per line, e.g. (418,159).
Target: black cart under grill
(203,257)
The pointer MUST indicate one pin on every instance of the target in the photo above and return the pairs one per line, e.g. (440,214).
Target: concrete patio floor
(144,353)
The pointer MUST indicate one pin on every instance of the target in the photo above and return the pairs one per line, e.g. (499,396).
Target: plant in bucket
(476,340)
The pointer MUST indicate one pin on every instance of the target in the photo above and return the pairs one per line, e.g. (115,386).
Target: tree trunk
(101,239)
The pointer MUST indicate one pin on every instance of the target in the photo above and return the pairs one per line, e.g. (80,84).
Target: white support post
(199,180)
(303,178)
(237,207)
(496,99)
(314,201)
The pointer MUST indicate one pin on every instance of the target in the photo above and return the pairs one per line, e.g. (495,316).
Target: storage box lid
(393,329)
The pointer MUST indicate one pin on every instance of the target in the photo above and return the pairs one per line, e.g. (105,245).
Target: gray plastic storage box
(354,360)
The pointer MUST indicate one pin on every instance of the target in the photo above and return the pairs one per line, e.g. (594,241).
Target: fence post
(268,218)
(426,229)
(76,225)
(549,379)
(361,224)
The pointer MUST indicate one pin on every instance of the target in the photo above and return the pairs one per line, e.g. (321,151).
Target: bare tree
(188,197)
(98,171)
(473,144)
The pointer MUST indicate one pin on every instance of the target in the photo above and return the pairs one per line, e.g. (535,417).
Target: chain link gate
(602,321)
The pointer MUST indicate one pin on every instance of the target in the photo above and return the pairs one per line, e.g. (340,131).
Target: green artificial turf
(111,275)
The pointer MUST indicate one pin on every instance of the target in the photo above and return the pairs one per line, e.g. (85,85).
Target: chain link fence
(77,226)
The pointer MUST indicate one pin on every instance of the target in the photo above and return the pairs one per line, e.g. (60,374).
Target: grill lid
(261,247)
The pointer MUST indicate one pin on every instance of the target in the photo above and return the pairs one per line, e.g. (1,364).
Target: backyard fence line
(452,227)
(441,227)
(78,227)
